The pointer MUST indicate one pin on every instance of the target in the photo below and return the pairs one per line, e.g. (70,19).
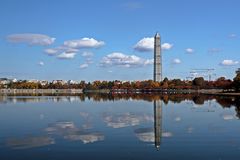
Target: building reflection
(153,134)
(157,104)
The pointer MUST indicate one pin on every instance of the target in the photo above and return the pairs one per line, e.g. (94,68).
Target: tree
(223,83)
(110,84)
(165,85)
(199,82)
(177,82)
(165,79)
(236,81)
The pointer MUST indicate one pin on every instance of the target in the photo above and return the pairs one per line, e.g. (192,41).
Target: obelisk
(157,67)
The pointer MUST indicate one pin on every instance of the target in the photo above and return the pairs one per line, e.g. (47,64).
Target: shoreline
(224,94)
(40,91)
(115,91)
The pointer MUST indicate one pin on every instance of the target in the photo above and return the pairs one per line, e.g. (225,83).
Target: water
(119,127)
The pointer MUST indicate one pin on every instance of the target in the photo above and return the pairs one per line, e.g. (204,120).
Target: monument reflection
(157,104)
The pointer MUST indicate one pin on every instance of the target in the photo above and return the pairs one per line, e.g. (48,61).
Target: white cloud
(147,44)
(60,49)
(41,63)
(83,66)
(149,61)
(176,61)
(189,50)
(66,55)
(71,47)
(69,50)
(51,51)
(31,39)
(84,43)
(166,46)
(123,60)
(87,54)
(228,62)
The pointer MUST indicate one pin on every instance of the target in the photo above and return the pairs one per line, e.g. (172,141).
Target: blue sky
(107,40)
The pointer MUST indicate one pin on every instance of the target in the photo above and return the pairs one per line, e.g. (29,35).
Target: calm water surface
(96,127)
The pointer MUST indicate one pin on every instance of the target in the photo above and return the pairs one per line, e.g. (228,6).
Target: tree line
(196,83)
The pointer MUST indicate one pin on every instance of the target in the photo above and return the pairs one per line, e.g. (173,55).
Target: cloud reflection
(178,119)
(190,130)
(147,134)
(29,142)
(32,99)
(125,119)
(87,117)
(69,131)
(85,137)
(167,134)
(228,117)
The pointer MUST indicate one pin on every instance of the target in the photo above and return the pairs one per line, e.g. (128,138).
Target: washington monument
(157,67)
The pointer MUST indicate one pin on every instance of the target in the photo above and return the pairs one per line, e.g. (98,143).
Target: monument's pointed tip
(158,147)
(157,34)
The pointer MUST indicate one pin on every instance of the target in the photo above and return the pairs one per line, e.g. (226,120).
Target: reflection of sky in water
(123,129)
(69,131)
(29,142)
(125,119)
(147,134)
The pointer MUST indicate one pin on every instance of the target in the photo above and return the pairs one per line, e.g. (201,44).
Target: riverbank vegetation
(197,83)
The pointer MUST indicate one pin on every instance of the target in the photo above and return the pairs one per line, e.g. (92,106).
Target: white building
(72,82)
(62,82)
(33,81)
(43,82)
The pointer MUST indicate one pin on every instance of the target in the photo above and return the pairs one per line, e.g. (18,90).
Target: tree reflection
(199,99)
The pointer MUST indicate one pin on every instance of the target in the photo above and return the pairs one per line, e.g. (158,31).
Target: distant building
(6,81)
(14,80)
(43,82)
(33,81)
(116,82)
(62,82)
(72,82)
